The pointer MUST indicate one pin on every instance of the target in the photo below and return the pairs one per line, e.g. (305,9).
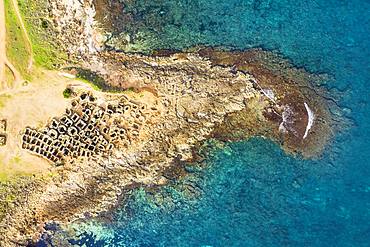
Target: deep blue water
(251,193)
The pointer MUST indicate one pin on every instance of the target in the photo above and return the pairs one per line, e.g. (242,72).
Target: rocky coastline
(193,96)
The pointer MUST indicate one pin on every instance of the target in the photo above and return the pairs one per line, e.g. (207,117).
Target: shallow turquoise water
(252,194)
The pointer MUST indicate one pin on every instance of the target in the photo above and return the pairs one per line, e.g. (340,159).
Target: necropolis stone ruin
(86,129)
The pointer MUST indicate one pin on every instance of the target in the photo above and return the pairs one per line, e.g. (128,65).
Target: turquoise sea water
(251,193)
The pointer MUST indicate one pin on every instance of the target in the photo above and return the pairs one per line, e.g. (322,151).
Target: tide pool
(251,193)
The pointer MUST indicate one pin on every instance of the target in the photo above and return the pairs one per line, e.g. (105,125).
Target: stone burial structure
(90,127)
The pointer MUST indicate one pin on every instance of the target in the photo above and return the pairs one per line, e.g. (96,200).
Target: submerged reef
(170,104)
(295,102)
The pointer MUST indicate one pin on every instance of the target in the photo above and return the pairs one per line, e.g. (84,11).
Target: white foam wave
(311,118)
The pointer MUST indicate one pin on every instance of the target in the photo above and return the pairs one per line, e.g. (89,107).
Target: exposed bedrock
(180,100)
(285,103)
(298,114)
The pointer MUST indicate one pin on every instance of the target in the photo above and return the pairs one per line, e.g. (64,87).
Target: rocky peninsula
(151,113)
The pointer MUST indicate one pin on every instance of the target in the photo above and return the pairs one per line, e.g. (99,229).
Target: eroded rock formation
(107,142)
(110,141)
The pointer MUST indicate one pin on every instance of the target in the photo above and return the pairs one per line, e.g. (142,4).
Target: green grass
(16,49)
(12,190)
(16,160)
(3,99)
(98,83)
(90,83)
(3,177)
(6,176)
(8,77)
(91,78)
(47,49)
(67,93)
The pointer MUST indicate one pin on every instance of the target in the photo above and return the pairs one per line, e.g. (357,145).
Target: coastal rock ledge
(162,107)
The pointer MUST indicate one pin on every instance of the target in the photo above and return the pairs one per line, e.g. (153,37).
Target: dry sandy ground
(31,105)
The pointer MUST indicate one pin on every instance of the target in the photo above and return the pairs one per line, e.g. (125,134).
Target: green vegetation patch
(67,93)
(3,99)
(13,190)
(97,82)
(47,49)
(16,49)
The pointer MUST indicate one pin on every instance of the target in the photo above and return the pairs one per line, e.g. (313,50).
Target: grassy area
(8,78)
(98,83)
(8,173)
(7,196)
(47,49)
(67,93)
(3,99)
(16,49)
(12,190)
(91,78)
(90,83)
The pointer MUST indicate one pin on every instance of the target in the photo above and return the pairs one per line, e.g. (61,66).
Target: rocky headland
(166,105)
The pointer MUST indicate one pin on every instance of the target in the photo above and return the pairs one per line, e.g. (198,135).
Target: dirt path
(4,61)
(17,76)
(23,27)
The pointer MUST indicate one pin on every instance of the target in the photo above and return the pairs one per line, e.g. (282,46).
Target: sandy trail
(4,61)
(3,58)
(17,76)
